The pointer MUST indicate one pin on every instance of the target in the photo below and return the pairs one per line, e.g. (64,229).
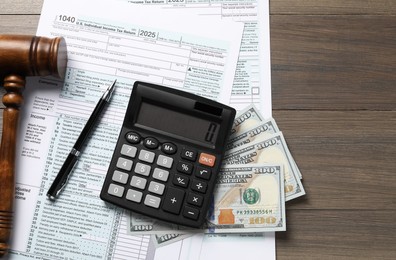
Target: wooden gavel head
(26,55)
(20,56)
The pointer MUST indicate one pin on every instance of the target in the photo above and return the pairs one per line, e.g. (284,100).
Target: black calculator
(168,154)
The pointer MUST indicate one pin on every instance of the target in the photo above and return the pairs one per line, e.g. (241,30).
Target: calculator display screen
(177,123)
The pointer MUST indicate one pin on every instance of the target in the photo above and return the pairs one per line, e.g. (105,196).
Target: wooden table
(334,97)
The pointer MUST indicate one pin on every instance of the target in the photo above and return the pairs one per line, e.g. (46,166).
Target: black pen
(64,173)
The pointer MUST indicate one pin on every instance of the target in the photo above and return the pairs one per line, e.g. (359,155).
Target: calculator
(168,154)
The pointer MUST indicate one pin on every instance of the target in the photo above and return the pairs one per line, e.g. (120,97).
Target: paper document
(252,82)
(106,40)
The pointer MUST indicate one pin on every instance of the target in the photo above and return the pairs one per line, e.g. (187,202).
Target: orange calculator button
(207,159)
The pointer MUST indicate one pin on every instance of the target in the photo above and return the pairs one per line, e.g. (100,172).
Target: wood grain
(333,97)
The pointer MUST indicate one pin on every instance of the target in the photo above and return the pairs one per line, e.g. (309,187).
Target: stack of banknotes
(257,177)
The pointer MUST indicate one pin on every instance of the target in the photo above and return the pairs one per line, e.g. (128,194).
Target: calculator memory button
(191,213)
(124,164)
(152,201)
(165,161)
(128,150)
(151,143)
(207,159)
(134,195)
(180,180)
(184,167)
(194,199)
(142,169)
(199,186)
(157,188)
(189,154)
(132,137)
(160,174)
(168,148)
(203,173)
(173,200)
(138,182)
(146,156)
(120,177)
(115,190)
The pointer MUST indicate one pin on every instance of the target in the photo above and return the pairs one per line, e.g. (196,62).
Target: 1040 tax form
(106,40)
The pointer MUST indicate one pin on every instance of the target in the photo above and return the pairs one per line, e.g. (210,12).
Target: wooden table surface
(333,87)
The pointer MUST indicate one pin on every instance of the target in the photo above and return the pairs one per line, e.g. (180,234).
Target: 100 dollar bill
(246,119)
(272,150)
(252,195)
(248,198)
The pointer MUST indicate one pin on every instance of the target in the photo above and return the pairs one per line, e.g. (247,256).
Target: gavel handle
(12,100)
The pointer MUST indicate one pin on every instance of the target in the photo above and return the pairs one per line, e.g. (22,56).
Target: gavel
(20,56)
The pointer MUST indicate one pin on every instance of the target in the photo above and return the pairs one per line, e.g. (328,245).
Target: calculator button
(189,154)
(116,190)
(132,137)
(184,167)
(160,174)
(124,164)
(169,148)
(207,159)
(150,142)
(165,161)
(156,187)
(134,195)
(128,150)
(191,213)
(152,201)
(180,180)
(173,200)
(138,182)
(195,199)
(203,173)
(146,156)
(142,169)
(199,186)
(120,177)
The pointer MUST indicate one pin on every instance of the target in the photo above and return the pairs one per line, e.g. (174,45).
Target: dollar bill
(246,119)
(166,239)
(248,198)
(252,195)
(255,133)
(272,150)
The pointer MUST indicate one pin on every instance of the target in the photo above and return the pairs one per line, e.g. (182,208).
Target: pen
(64,173)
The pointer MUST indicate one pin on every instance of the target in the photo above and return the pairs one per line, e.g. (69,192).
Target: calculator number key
(157,188)
(138,182)
(124,164)
(160,174)
(120,177)
(142,169)
(115,190)
(128,150)
(146,156)
(165,161)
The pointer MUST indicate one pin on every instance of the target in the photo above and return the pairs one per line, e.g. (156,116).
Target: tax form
(106,40)
(252,82)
